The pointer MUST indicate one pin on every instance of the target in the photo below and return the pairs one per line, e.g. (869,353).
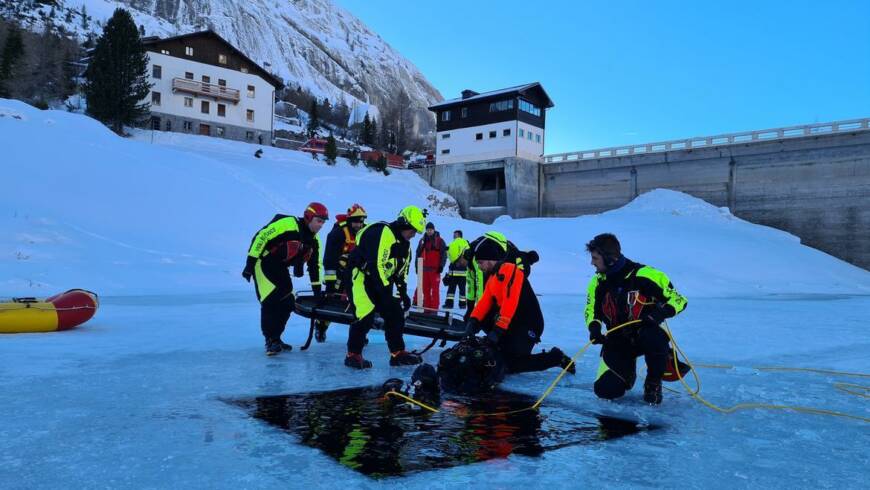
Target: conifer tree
(313,119)
(13,50)
(331,150)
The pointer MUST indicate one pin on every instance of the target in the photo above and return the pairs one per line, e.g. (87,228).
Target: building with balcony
(492,125)
(202,84)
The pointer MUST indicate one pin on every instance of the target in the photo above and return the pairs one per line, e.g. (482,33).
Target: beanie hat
(489,250)
(430,226)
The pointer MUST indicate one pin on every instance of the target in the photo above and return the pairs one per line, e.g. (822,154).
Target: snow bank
(169,212)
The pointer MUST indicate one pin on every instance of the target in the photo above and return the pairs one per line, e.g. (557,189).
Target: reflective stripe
(602,368)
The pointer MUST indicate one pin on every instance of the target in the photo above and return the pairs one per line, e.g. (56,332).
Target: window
(188,75)
(206,79)
(204,107)
(445,116)
(155,123)
(445,152)
(445,136)
(506,132)
(188,126)
(478,136)
(157,71)
(502,105)
(249,135)
(222,82)
(492,134)
(251,90)
(188,50)
(169,124)
(463,113)
(530,108)
(529,135)
(188,102)
(537,138)
(155,98)
(222,110)
(243,69)
(222,59)
(164,51)
(521,132)
(219,131)
(250,115)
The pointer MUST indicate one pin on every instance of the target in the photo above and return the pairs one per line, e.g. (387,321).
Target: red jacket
(433,250)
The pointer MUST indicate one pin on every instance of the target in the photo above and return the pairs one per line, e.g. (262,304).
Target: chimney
(468,93)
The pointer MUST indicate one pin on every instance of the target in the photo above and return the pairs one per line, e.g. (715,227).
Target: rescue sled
(436,325)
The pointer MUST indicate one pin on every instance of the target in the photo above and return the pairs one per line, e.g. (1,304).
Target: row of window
(157,73)
(502,105)
(530,108)
(529,135)
(222,58)
(204,129)
(204,107)
(505,132)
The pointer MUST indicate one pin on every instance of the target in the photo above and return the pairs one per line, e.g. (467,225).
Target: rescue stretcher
(436,325)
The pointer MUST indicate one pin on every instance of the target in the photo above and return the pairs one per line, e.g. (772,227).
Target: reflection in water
(379,437)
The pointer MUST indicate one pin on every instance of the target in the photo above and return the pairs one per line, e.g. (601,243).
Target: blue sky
(634,72)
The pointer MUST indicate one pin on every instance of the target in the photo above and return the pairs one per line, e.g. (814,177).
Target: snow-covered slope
(166,212)
(314,43)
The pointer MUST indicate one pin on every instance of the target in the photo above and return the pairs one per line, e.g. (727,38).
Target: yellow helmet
(356,211)
(413,217)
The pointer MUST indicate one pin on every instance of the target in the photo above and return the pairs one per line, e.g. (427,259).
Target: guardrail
(710,141)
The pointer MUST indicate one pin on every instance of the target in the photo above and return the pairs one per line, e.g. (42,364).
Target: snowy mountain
(312,43)
(170,211)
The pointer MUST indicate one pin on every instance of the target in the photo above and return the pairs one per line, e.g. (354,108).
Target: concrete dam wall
(815,187)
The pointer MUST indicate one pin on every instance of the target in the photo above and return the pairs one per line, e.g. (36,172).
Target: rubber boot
(652,391)
(273,347)
(404,358)
(356,361)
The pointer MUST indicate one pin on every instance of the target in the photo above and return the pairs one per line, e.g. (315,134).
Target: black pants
(454,282)
(516,349)
(276,307)
(390,310)
(619,356)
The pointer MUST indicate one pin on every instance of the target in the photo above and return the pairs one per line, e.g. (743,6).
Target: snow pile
(170,212)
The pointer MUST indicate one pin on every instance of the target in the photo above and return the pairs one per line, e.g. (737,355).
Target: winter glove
(494,336)
(532,257)
(472,327)
(249,268)
(297,270)
(656,314)
(445,281)
(406,302)
(318,293)
(595,334)
(441,270)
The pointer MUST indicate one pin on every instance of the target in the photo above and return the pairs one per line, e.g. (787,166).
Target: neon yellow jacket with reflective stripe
(623,296)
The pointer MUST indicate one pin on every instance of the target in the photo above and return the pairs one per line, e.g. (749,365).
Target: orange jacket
(503,290)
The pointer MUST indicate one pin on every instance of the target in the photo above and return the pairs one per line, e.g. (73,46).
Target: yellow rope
(744,406)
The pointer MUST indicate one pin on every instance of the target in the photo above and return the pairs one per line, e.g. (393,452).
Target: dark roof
(517,90)
(256,68)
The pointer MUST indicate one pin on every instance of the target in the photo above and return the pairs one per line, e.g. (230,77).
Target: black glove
(318,293)
(297,270)
(472,326)
(656,314)
(406,302)
(445,281)
(468,311)
(595,334)
(494,336)
(330,287)
(532,257)
(249,268)
(441,270)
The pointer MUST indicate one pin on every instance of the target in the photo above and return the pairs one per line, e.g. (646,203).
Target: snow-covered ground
(159,227)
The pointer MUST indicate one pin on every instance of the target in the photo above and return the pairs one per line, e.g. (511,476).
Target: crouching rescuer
(622,291)
(379,263)
(285,242)
(508,310)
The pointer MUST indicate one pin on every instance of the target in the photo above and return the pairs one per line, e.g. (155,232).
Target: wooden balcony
(203,89)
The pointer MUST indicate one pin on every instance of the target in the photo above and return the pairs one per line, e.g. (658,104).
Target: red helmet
(316,209)
(356,211)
